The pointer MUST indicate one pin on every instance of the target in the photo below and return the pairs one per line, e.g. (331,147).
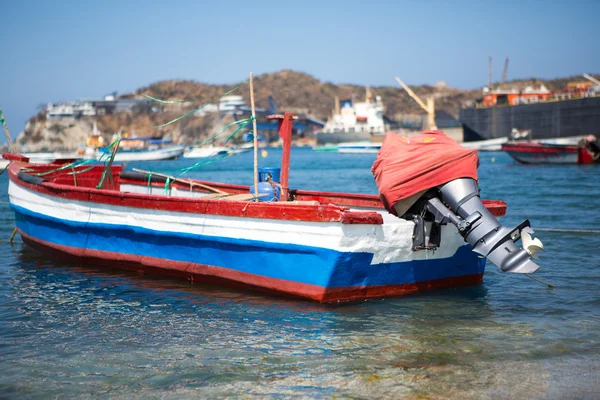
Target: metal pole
(255,137)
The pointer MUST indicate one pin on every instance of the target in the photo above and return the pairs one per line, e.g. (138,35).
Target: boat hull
(322,261)
(546,153)
(359,148)
(328,138)
(165,153)
(551,119)
(206,152)
(210,274)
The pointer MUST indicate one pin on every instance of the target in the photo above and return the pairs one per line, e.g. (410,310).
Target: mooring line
(567,230)
(540,281)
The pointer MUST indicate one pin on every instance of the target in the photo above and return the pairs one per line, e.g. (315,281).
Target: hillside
(292,91)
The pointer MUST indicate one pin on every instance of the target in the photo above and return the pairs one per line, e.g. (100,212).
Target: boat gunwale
(539,148)
(333,207)
(214,206)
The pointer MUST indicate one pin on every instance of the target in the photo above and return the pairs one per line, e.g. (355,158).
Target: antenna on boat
(429,107)
(255,137)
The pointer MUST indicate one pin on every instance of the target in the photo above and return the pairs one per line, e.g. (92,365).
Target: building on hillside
(92,107)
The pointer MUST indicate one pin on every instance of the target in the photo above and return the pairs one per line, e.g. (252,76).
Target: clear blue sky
(67,50)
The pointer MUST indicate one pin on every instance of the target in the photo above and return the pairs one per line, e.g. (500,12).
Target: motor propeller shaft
(462,207)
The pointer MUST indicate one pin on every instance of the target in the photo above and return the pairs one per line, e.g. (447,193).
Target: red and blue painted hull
(327,257)
(545,153)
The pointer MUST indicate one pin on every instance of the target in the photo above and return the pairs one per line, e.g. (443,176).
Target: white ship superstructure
(352,122)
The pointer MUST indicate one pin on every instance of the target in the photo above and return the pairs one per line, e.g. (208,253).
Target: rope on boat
(108,164)
(76,164)
(540,281)
(567,230)
(12,237)
(8,138)
(5,168)
(187,101)
(241,124)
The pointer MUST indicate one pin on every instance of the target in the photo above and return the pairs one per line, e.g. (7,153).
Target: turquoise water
(71,331)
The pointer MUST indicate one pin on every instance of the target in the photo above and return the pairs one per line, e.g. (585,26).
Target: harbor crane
(429,107)
(591,78)
(504,72)
(490,80)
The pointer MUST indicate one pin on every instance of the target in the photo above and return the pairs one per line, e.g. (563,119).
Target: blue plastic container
(266,189)
(265,171)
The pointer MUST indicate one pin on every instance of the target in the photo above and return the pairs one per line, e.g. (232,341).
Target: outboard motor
(482,230)
(431,179)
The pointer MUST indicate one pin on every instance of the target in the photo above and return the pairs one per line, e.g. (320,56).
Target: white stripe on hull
(390,242)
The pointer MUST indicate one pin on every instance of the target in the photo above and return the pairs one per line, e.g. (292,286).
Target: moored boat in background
(359,148)
(354,121)
(587,151)
(140,149)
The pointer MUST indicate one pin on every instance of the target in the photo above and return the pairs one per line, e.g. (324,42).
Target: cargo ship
(354,121)
(574,111)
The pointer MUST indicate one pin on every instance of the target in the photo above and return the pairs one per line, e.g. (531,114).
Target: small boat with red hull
(586,151)
(316,245)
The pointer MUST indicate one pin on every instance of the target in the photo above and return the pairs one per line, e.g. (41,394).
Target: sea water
(74,331)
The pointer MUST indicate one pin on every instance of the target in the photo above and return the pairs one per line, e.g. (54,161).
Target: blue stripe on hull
(304,264)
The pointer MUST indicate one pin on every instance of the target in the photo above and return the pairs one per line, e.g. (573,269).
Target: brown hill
(292,91)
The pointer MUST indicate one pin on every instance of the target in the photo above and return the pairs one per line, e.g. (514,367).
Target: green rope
(167,101)
(181,171)
(201,163)
(8,138)
(109,162)
(75,164)
(192,100)
(167,184)
(241,123)
(79,163)
(199,108)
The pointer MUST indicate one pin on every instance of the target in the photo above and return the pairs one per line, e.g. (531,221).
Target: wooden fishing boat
(587,151)
(316,245)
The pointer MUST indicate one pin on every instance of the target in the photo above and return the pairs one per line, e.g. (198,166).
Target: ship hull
(552,119)
(324,138)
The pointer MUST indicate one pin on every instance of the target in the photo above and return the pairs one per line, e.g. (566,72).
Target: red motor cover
(408,165)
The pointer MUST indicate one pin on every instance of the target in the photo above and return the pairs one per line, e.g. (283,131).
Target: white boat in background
(485,145)
(214,151)
(206,152)
(359,148)
(46,157)
(140,149)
